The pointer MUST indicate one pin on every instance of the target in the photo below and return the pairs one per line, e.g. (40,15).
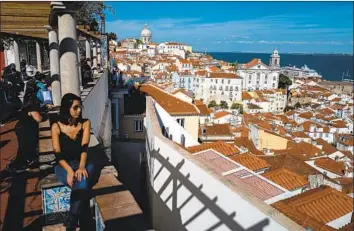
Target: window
(226,88)
(138,125)
(216,81)
(183,140)
(229,81)
(231,89)
(258,76)
(222,81)
(181,122)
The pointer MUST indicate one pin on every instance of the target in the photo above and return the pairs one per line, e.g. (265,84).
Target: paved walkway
(20,201)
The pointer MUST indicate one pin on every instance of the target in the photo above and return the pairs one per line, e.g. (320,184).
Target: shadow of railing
(178,180)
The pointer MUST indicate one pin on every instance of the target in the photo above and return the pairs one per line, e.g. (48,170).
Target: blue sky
(310,27)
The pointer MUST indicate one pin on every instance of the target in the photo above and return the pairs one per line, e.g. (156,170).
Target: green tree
(284,81)
(112,36)
(223,104)
(91,12)
(212,104)
(238,106)
(139,41)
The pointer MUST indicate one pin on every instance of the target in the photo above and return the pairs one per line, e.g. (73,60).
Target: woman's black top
(71,149)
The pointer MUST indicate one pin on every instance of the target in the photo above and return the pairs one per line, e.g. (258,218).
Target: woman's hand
(81,172)
(70,178)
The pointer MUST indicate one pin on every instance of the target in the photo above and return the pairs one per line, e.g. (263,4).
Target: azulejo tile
(99,221)
(56,203)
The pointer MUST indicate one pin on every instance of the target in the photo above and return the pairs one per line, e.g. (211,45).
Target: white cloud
(264,31)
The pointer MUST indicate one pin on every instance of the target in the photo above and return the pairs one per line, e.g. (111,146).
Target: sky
(291,27)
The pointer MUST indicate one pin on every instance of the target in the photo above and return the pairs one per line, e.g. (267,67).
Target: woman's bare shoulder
(86,123)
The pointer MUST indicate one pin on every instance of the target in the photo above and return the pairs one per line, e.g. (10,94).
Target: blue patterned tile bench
(55,200)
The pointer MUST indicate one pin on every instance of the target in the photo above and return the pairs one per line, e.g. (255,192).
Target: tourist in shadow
(71,137)
(27,132)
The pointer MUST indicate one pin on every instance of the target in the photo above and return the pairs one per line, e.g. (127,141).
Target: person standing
(70,138)
(27,130)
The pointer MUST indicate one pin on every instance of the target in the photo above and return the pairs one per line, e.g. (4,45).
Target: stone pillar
(17,55)
(69,71)
(94,55)
(99,54)
(88,52)
(79,63)
(39,57)
(54,65)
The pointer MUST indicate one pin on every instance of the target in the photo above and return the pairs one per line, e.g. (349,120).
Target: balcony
(188,194)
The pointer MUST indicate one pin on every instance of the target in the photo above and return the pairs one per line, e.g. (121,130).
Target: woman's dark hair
(64,114)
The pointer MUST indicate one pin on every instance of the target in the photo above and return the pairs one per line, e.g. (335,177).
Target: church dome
(146,32)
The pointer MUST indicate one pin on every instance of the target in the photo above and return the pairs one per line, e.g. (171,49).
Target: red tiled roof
(286,178)
(250,161)
(220,114)
(216,130)
(170,103)
(204,110)
(254,185)
(331,165)
(253,63)
(246,96)
(223,75)
(317,207)
(215,161)
(221,147)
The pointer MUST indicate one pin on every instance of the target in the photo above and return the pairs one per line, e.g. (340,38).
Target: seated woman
(71,137)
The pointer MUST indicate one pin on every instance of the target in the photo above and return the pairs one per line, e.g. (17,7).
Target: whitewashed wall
(97,108)
(184,196)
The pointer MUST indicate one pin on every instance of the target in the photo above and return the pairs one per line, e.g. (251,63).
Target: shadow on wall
(172,216)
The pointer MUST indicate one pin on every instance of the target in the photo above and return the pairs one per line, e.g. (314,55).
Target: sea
(330,66)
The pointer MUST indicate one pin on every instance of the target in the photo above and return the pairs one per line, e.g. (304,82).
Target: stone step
(56,227)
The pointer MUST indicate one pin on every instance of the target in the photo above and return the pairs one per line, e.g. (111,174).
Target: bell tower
(275,59)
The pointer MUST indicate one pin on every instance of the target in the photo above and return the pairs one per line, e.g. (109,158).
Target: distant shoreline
(288,53)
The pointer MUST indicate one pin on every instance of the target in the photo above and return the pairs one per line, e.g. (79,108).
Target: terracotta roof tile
(291,163)
(216,162)
(250,161)
(255,185)
(245,142)
(331,165)
(317,207)
(326,147)
(253,63)
(286,178)
(170,103)
(204,110)
(221,147)
(223,75)
(220,114)
(215,130)
(246,96)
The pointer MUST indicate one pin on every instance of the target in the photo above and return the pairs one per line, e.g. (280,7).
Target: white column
(54,65)
(79,63)
(99,53)
(69,72)
(88,52)
(39,57)
(17,55)
(94,54)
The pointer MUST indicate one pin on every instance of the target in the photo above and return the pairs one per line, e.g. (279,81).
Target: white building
(146,35)
(219,86)
(258,76)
